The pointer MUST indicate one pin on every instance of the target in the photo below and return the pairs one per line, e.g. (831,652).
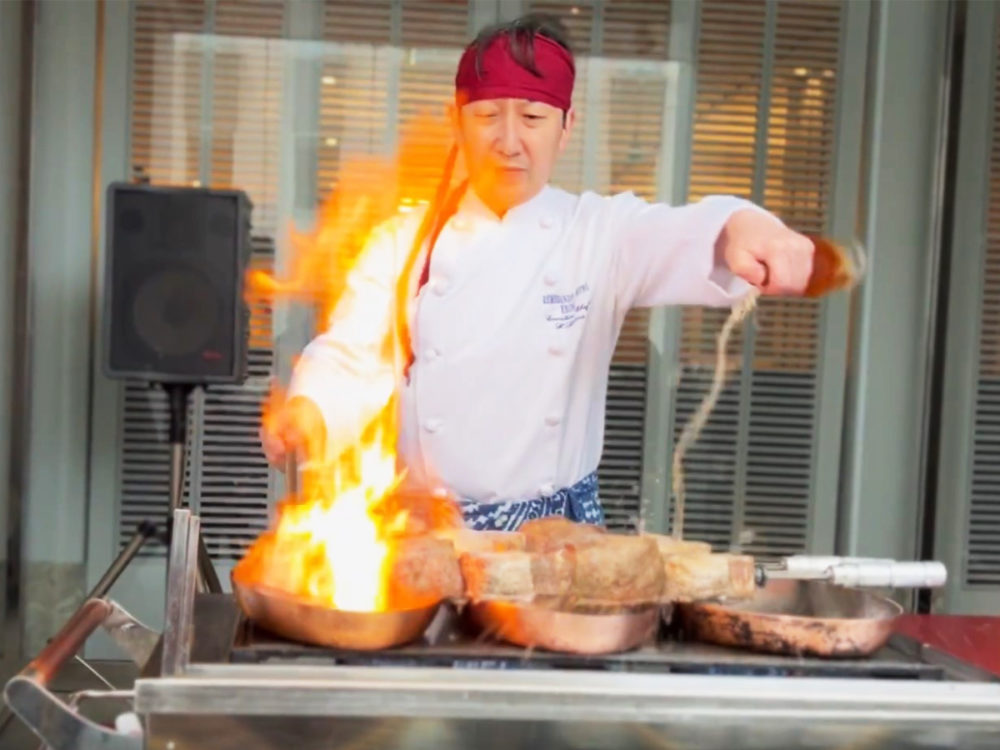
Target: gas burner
(451,643)
(214,680)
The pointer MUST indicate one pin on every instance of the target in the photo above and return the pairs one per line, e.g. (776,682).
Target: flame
(332,543)
(329,544)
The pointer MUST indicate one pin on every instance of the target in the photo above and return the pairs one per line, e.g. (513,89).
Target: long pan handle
(68,640)
(818,566)
(292,473)
(903,575)
(857,571)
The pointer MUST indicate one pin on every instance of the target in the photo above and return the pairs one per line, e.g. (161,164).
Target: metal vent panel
(982,531)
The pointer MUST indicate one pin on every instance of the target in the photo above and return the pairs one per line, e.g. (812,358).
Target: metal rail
(557,695)
(57,723)
(28,696)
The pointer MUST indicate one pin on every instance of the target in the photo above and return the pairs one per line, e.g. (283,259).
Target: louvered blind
(763,129)
(579,19)
(384,64)
(161,64)
(433,34)
(619,97)
(206,93)
(982,524)
(354,85)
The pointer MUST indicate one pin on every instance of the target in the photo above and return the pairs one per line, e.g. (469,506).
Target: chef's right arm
(342,380)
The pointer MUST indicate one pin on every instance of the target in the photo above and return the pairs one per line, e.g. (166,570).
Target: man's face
(510,147)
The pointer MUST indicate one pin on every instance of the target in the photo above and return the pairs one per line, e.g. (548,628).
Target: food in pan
(669,545)
(617,569)
(422,571)
(467,540)
(551,558)
(700,576)
(556,532)
(518,576)
(498,575)
(583,566)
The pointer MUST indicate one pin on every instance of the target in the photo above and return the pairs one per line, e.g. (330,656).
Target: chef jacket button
(440,492)
(432,424)
(556,350)
(551,279)
(552,420)
(547,489)
(430,353)
(546,222)
(440,287)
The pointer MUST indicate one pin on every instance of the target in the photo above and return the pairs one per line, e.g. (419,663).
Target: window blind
(981,560)
(206,105)
(206,92)
(763,129)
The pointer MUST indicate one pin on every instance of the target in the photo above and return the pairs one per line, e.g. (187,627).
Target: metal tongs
(858,572)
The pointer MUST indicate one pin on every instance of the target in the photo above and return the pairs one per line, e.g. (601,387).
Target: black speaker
(173,286)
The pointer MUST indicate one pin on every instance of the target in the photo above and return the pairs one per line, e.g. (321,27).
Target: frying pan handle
(918,575)
(68,640)
(820,565)
(292,472)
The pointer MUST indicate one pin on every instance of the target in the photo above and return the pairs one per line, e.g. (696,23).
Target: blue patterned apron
(577,503)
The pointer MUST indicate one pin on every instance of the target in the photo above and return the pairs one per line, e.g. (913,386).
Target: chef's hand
(297,425)
(761,250)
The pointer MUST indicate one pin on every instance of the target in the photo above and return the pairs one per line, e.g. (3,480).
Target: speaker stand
(177,394)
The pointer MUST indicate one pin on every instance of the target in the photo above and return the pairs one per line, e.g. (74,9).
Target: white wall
(60,214)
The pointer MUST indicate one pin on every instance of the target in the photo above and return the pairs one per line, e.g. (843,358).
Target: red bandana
(502,78)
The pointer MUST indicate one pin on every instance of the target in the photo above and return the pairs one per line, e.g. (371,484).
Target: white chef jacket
(513,333)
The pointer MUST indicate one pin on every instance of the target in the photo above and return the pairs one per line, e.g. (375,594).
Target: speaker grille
(176,311)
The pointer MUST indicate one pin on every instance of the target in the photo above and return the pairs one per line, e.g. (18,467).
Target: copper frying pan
(549,626)
(309,622)
(796,617)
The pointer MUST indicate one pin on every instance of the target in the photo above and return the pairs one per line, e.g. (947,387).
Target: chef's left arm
(706,253)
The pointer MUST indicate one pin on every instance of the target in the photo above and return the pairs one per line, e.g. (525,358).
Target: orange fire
(329,544)
(333,542)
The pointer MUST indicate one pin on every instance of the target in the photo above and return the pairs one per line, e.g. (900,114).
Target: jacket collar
(540,208)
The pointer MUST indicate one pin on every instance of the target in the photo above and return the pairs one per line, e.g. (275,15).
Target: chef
(517,298)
